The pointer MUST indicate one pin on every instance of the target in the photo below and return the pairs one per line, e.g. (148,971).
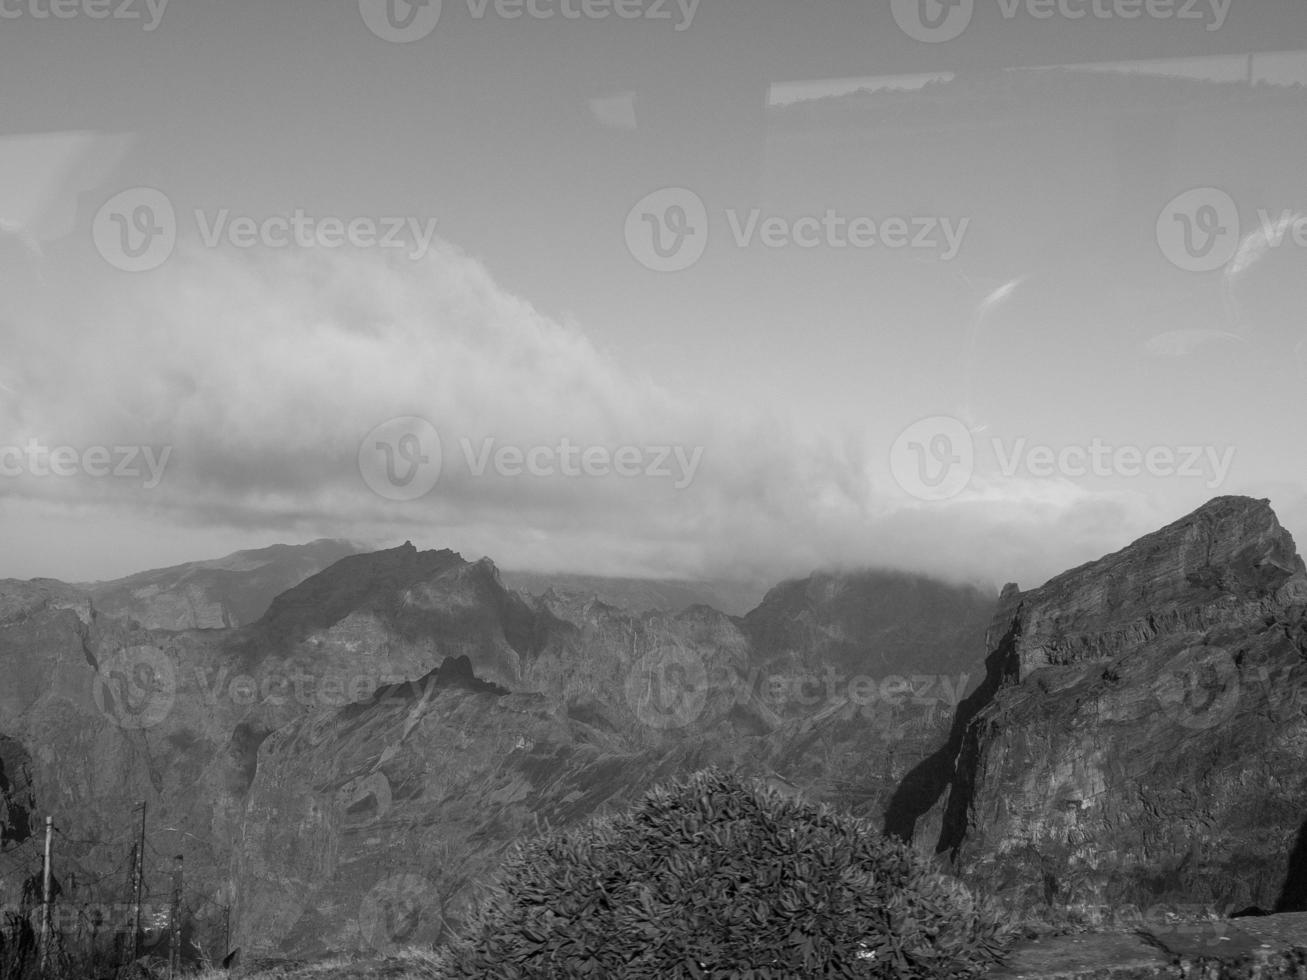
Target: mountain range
(238,589)
(342,769)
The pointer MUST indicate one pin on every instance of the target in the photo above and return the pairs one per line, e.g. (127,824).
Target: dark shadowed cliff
(1142,733)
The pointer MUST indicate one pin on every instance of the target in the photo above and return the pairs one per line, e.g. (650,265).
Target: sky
(731,289)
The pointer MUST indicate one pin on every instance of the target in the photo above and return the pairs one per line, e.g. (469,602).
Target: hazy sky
(1072,238)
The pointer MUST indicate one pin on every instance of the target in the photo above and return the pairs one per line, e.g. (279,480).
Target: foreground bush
(719,877)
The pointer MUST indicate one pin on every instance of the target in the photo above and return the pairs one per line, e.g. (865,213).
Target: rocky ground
(1258,948)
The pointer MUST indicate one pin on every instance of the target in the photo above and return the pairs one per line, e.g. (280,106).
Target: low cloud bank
(271,381)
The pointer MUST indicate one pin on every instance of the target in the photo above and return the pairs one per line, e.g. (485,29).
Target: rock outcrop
(1141,736)
(17,803)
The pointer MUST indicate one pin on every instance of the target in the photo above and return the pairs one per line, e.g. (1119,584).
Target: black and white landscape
(428,427)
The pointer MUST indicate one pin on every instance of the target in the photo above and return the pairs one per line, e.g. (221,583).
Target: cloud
(262,372)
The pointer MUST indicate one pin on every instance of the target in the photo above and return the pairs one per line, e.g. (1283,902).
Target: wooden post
(174,920)
(45,895)
(138,883)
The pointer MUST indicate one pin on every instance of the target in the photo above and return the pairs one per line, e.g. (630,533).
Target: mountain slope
(1145,735)
(230,591)
(422,789)
(638,595)
(872,623)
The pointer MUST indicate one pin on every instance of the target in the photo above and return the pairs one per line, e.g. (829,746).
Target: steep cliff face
(17,804)
(98,716)
(1142,734)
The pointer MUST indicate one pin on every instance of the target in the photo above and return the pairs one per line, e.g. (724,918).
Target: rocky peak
(352,584)
(1139,735)
(1228,561)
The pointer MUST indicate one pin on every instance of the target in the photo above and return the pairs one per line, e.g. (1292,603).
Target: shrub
(715,876)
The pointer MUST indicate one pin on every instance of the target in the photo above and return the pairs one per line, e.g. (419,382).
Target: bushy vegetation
(716,876)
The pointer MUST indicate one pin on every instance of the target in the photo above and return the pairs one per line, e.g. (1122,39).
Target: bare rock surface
(1105,956)
(1263,948)
(1142,734)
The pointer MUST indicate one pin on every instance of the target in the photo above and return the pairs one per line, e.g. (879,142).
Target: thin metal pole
(45,895)
(174,955)
(138,871)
